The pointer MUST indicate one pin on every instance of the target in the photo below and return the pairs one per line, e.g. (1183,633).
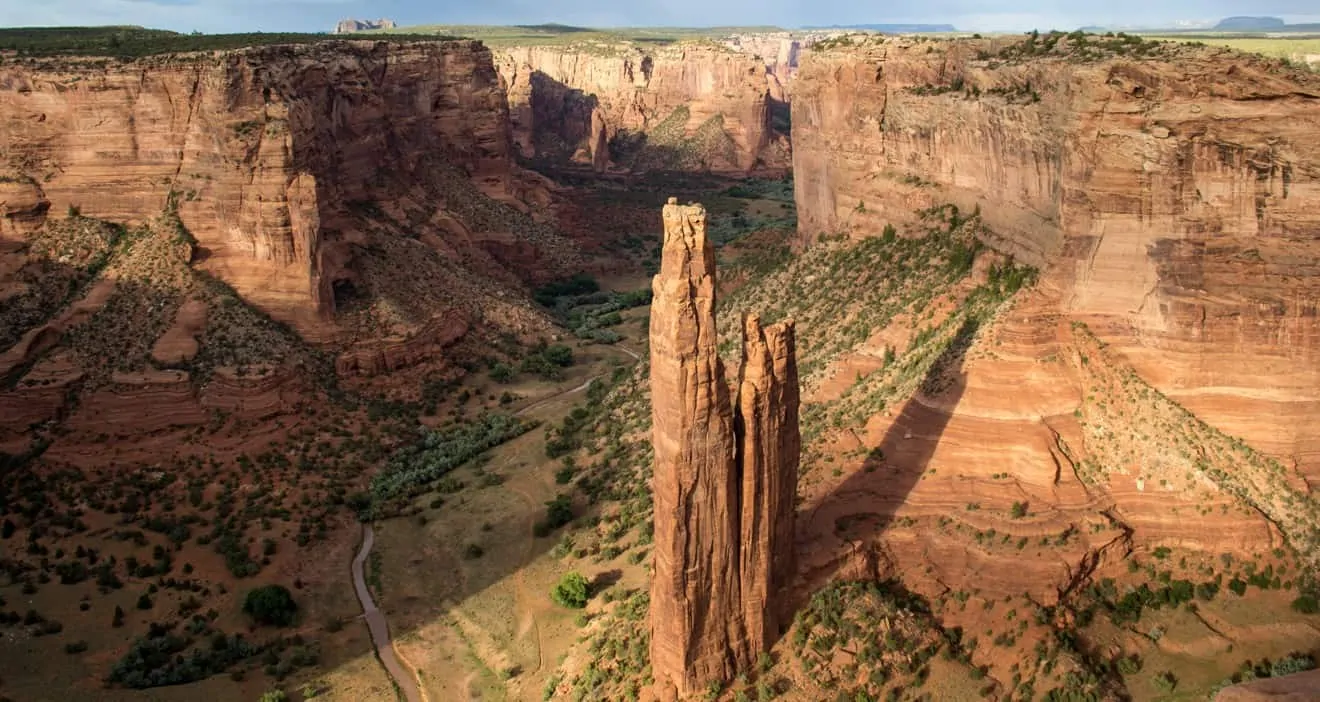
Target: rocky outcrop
(685,107)
(769,448)
(1171,194)
(725,473)
(1299,687)
(280,160)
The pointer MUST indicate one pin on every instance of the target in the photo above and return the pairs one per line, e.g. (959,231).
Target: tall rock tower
(725,472)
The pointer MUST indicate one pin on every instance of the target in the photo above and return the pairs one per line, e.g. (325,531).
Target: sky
(321,15)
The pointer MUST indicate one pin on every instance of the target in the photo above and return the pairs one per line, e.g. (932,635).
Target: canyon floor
(957,541)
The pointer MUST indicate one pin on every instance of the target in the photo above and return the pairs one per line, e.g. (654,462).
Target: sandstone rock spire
(725,472)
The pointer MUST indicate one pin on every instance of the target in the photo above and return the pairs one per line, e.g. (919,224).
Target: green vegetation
(271,605)
(619,653)
(892,632)
(558,512)
(1293,49)
(1079,46)
(583,307)
(137,42)
(571,591)
(441,451)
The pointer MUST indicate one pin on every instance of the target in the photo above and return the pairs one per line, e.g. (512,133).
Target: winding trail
(376,624)
(404,675)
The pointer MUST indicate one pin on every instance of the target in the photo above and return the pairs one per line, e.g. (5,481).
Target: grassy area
(136,42)
(1291,48)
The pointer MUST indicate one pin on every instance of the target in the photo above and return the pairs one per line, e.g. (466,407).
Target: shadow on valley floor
(838,538)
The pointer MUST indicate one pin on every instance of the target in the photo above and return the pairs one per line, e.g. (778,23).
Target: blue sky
(319,15)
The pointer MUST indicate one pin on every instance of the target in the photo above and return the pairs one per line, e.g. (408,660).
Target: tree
(272,605)
(119,617)
(1019,510)
(571,591)
(559,355)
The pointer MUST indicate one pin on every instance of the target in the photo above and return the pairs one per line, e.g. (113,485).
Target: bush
(271,605)
(1306,604)
(75,647)
(1166,682)
(570,591)
(558,512)
(1295,663)
(1019,510)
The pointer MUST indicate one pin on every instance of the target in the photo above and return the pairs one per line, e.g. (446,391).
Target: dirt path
(585,384)
(380,632)
(376,624)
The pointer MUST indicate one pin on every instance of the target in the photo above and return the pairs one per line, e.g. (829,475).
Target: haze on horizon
(321,15)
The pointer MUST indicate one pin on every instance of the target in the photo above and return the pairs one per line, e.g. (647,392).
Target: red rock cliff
(725,473)
(700,107)
(268,152)
(1173,194)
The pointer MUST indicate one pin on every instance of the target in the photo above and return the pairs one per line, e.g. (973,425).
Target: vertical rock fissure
(725,478)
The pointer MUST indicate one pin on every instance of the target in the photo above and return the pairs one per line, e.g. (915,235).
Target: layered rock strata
(725,472)
(1169,192)
(273,156)
(600,107)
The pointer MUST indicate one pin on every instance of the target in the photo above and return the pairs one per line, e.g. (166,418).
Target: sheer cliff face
(572,103)
(1174,199)
(725,473)
(265,151)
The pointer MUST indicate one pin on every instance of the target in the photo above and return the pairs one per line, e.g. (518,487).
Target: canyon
(1039,424)
(1171,199)
(619,107)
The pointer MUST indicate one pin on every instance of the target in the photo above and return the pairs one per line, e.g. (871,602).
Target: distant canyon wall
(266,152)
(686,107)
(1172,195)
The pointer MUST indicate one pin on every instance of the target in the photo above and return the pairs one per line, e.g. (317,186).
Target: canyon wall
(725,477)
(687,107)
(271,155)
(1171,193)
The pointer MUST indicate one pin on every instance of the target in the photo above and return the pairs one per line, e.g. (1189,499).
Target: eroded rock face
(769,448)
(1173,200)
(725,473)
(270,153)
(570,104)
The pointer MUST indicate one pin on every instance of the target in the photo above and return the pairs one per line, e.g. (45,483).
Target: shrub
(501,373)
(272,605)
(558,512)
(1019,510)
(1294,663)
(1306,604)
(570,591)
(75,647)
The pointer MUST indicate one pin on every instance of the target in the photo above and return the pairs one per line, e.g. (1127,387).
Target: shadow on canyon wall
(838,538)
